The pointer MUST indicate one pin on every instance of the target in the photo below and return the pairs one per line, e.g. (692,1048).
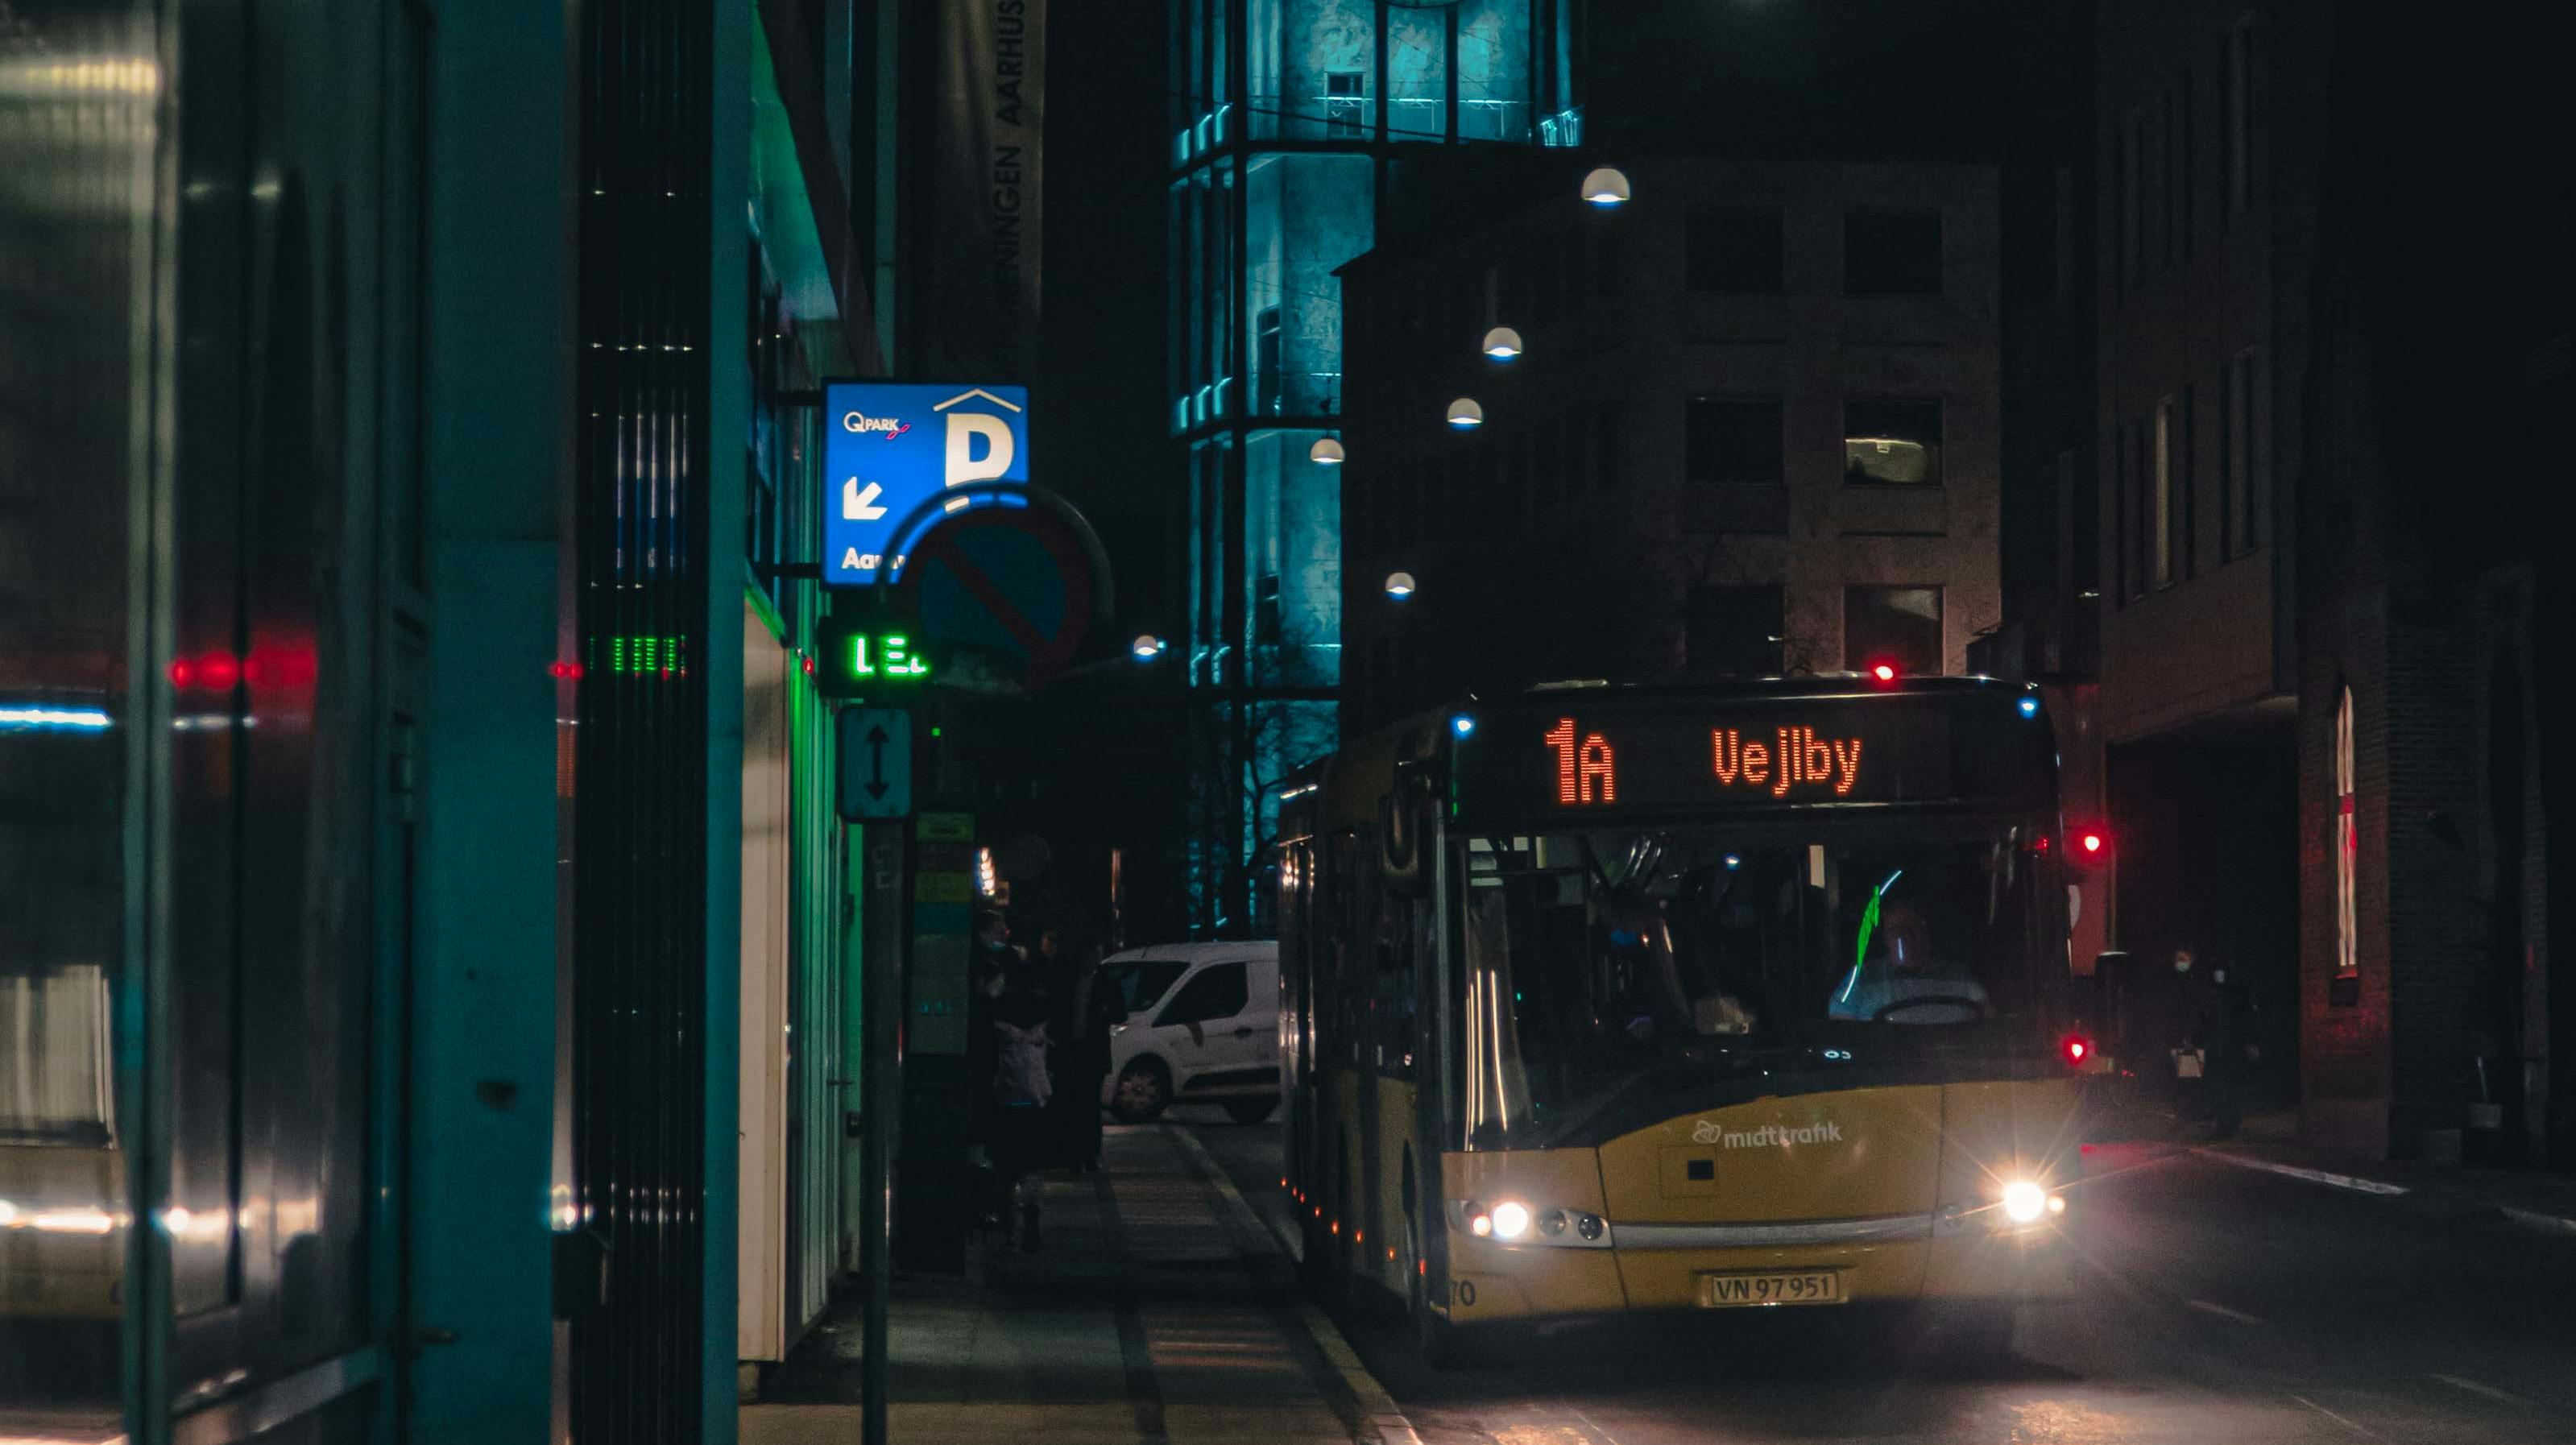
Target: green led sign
(886,655)
(859,657)
(645,656)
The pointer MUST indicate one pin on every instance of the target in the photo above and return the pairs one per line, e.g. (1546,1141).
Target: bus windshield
(1610,972)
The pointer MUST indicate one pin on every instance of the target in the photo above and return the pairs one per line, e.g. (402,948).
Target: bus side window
(1355,859)
(1391,983)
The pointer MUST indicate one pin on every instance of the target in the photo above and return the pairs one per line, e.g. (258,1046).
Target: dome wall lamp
(1326,452)
(1606,188)
(1503,343)
(1465,415)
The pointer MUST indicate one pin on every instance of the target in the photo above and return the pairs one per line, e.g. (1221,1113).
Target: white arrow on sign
(858,506)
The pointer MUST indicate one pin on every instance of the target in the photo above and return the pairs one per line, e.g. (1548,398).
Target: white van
(1202,1023)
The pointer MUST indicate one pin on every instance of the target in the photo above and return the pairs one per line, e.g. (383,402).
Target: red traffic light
(2076,1048)
(2088,845)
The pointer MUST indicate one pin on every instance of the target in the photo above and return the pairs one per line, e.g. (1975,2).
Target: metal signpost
(875,764)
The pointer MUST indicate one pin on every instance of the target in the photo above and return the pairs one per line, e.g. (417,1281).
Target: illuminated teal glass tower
(1287,116)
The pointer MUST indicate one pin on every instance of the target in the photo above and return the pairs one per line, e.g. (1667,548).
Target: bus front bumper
(1673,1267)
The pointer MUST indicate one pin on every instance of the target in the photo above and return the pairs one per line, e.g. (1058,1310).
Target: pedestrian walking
(2217,1031)
(1024,1012)
(2178,1015)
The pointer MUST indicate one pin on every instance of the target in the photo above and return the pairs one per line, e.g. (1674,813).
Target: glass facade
(1283,114)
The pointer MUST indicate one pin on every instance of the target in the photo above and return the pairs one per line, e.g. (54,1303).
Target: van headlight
(2025,1202)
(1511,1219)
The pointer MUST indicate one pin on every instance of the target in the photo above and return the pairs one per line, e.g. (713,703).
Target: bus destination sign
(1712,756)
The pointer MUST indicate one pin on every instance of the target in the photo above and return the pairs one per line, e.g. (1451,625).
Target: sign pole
(880,1094)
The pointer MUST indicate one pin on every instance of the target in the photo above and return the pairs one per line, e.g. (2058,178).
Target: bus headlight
(2024,1202)
(1522,1224)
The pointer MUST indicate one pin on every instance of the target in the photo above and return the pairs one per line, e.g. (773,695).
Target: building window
(1345,104)
(2083,535)
(1735,631)
(1892,253)
(1892,443)
(2123,574)
(2236,84)
(2162,510)
(1265,611)
(1265,362)
(2241,460)
(1899,625)
(2127,163)
(2169,178)
(1734,441)
(1733,250)
(2347,848)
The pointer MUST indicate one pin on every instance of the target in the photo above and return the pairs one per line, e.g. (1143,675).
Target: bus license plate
(1799,1287)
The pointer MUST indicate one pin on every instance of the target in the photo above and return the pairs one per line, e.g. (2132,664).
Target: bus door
(1404,1100)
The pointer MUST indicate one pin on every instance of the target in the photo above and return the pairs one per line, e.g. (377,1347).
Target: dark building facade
(2322,670)
(1751,427)
(1286,117)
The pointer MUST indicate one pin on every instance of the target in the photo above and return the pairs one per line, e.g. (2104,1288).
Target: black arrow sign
(876,762)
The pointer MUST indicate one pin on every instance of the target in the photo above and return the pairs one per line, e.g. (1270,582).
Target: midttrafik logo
(1769,1136)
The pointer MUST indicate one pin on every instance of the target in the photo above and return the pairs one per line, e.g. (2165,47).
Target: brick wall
(2438,964)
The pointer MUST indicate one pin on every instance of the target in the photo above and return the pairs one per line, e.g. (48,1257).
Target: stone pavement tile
(1150,1314)
(1253,1424)
(946,1424)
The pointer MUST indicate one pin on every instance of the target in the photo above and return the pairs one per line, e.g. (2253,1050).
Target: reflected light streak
(54,719)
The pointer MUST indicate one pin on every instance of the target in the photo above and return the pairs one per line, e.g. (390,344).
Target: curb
(2527,1218)
(2314,1176)
(1380,1409)
(2536,1219)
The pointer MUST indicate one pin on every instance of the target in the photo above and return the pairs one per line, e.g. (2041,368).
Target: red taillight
(1884,672)
(2090,842)
(2075,1047)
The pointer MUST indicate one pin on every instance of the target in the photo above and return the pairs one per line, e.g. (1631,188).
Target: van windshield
(1140,981)
(1606,966)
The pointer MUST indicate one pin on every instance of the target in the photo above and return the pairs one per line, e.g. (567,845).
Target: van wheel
(1250,1111)
(1144,1091)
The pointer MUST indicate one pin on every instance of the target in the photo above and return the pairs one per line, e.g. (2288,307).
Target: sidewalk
(1158,1310)
(2269,1140)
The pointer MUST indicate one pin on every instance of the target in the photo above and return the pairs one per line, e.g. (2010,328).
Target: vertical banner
(984,189)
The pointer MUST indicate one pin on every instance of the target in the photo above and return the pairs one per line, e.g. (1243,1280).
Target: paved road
(2220,1304)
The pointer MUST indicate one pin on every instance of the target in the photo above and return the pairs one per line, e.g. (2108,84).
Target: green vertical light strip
(1868,926)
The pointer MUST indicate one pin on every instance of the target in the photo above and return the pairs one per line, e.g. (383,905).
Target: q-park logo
(861,423)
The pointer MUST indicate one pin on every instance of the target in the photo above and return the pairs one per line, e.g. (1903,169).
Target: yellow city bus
(1605,999)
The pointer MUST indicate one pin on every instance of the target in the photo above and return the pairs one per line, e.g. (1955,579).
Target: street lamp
(1606,188)
(1465,415)
(1399,585)
(1326,452)
(1503,343)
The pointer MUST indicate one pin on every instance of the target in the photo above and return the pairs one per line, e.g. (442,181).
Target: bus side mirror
(1403,820)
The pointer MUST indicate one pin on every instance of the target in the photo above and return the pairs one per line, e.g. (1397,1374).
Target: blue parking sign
(890,447)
